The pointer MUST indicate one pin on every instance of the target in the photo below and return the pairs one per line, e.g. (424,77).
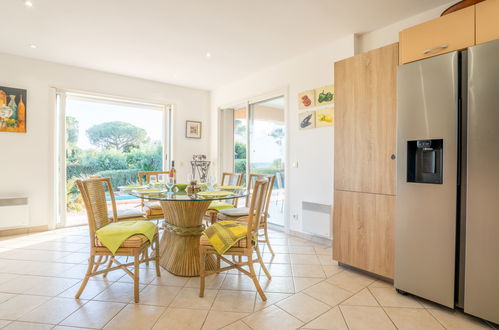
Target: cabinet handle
(429,50)
(393,157)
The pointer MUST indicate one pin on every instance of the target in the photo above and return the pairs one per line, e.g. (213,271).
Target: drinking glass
(211,182)
(153,179)
(162,178)
(170,182)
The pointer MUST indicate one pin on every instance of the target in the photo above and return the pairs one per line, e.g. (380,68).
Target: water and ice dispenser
(425,161)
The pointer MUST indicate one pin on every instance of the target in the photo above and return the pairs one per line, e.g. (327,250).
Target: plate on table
(132,187)
(220,193)
(152,191)
(231,187)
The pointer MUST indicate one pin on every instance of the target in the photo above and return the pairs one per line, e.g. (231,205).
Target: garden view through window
(110,139)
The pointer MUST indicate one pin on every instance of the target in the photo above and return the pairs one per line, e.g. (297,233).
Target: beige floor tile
(19,305)
(380,284)
(413,319)
(20,284)
(350,280)
(278,269)
(51,286)
(304,259)
(278,258)
(272,318)
(92,289)
(272,298)
(308,271)
(331,320)
(298,241)
(303,307)
(169,279)
(331,270)
(238,282)
(328,293)
(363,298)
(136,317)
(234,301)
(74,258)
(277,284)
(297,249)
(211,282)
(6,296)
(146,276)
(324,251)
(302,283)
(158,295)
(94,314)
(181,319)
(455,320)
(62,327)
(239,325)
(217,320)
(27,326)
(362,317)
(53,311)
(280,249)
(388,297)
(327,260)
(189,298)
(118,292)
(3,323)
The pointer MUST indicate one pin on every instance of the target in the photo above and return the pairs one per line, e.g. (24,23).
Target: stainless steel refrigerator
(447,213)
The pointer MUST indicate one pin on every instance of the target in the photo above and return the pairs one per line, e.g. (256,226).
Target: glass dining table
(183,225)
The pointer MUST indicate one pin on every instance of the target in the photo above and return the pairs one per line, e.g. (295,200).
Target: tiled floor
(40,273)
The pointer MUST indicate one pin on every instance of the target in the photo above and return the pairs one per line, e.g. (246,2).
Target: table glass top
(165,195)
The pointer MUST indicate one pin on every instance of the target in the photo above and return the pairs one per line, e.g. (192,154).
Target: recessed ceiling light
(32,46)
(208,55)
(28,3)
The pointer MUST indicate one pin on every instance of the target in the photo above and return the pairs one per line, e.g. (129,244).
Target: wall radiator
(316,219)
(14,212)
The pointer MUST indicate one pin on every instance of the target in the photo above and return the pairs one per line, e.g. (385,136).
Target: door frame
(248,101)
(58,103)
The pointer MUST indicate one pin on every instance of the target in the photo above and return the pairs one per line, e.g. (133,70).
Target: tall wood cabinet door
(365,121)
(439,36)
(363,231)
(487,21)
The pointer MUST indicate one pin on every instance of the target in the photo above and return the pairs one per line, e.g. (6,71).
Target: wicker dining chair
(228,179)
(235,213)
(244,248)
(152,210)
(94,197)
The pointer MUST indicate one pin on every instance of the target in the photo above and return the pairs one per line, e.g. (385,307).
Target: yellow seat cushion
(242,243)
(134,241)
(217,206)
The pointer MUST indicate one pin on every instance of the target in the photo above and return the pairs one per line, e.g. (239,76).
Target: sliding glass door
(267,133)
(108,138)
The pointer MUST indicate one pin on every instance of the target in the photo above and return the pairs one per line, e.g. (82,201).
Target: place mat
(230,187)
(214,193)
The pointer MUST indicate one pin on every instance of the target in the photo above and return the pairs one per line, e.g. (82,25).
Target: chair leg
(96,264)
(146,256)
(255,279)
(91,262)
(136,274)
(267,239)
(156,256)
(219,263)
(202,261)
(260,260)
(109,264)
(213,216)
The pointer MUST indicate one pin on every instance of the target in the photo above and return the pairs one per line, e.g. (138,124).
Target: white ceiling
(167,40)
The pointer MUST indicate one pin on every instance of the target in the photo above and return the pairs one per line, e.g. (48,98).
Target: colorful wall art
(12,110)
(324,117)
(324,95)
(306,99)
(306,119)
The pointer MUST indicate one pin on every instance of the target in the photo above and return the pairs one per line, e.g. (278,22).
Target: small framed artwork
(324,117)
(306,99)
(193,129)
(324,95)
(306,120)
(12,110)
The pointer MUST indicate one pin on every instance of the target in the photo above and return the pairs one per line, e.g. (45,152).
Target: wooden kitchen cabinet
(363,227)
(487,21)
(364,160)
(439,36)
(365,121)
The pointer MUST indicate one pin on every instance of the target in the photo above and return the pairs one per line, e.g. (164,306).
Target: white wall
(26,159)
(312,149)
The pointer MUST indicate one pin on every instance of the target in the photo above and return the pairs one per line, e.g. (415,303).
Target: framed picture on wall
(193,129)
(12,110)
